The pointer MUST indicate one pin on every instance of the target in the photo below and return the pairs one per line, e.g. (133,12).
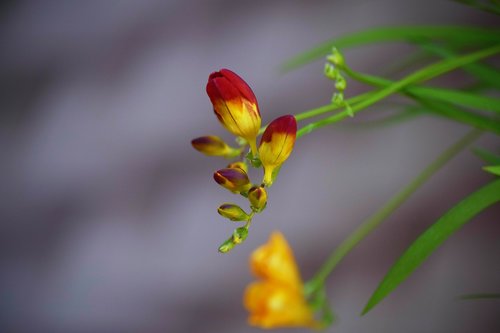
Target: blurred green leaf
(433,237)
(485,73)
(453,96)
(459,34)
(492,6)
(494,169)
(449,111)
(480,296)
(486,155)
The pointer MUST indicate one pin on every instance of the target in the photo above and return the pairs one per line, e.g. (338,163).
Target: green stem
(379,216)
(421,75)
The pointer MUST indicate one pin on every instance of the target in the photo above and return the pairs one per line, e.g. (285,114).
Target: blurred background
(108,216)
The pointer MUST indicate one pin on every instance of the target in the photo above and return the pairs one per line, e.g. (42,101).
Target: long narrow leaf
(485,73)
(462,34)
(456,114)
(480,296)
(433,237)
(487,156)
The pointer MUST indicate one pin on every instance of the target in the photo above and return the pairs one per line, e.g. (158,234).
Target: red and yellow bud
(241,165)
(234,179)
(257,196)
(276,145)
(214,146)
(233,212)
(235,105)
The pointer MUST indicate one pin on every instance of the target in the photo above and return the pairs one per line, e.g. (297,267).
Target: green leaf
(459,34)
(432,238)
(480,296)
(491,6)
(458,97)
(483,72)
(456,114)
(486,155)
(494,169)
(453,96)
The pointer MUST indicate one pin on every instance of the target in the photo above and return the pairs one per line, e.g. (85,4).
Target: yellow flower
(277,300)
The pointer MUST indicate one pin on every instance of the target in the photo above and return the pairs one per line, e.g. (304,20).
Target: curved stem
(379,216)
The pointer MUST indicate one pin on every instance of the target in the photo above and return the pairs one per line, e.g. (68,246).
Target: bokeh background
(108,217)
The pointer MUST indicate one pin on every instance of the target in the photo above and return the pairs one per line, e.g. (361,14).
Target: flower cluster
(277,299)
(237,110)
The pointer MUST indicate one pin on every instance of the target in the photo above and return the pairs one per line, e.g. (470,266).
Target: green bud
(233,212)
(349,110)
(239,235)
(227,246)
(330,71)
(340,84)
(336,58)
(257,196)
(338,98)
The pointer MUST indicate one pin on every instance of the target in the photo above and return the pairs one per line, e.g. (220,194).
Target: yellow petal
(273,305)
(274,261)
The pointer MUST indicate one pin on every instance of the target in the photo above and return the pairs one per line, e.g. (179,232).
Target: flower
(277,299)
(234,179)
(235,105)
(276,145)
(212,145)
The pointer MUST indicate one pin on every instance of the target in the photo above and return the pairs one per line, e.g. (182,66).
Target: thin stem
(397,200)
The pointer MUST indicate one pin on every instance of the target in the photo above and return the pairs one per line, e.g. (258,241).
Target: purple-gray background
(108,217)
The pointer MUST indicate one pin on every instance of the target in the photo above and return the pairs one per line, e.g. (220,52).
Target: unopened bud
(340,84)
(276,145)
(232,212)
(336,58)
(330,71)
(212,145)
(239,235)
(227,246)
(241,165)
(338,98)
(234,179)
(257,196)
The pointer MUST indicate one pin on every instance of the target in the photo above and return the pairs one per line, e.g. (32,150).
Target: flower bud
(336,58)
(213,146)
(276,145)
(233,212)
(257,196)
(227,246)
(241,165)
(239,235)
(234,179)
(235,105)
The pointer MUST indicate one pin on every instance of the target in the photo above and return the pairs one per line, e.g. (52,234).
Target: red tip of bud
(284,125)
